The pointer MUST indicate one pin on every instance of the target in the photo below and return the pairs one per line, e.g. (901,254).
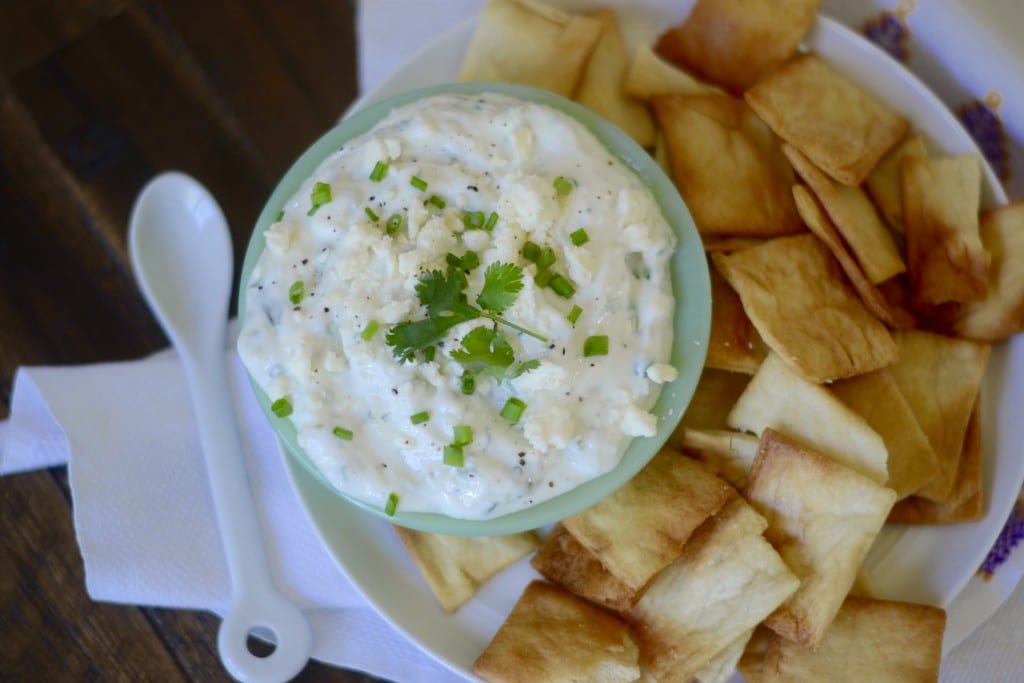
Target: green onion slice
(394,224)
(492,221)
(531,251)
(561,286)
(343,433)
(546,259)
(437,201)
(468,382)
(513,410)
(373,217)
(580,237)
(380,169)
(453,455)
(282,407)
(562,186)
(543,278)
(574,314)
(392,505)
(419,183)
(370,330)
(297,292)
(470,260)
(473,220)
(463,434)
(420,418)
(596,345)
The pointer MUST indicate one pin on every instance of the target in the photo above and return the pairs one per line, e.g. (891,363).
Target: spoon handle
(256,602)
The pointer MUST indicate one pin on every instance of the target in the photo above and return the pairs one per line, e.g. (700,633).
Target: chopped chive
(546,258)
(437,201)
(580,237)
(473,220)
(468,382)
(394,224)
(596,345)
(543,277)
(392,505)
(380,169)
(453,455)
(419,183)
(370,330)
(513,410)
(297,292)
(420,418)
(320,195)
(531,251)
(574,314)
(562,185)
(282,407)
(280,215)
(470,260)
(373,217)
(492,220)
(562,287)
(463,435)
(428,353)
(343,433)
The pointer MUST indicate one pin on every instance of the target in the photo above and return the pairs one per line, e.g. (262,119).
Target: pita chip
(798,298)
(946,260)
(884,183)
(855,218)
(822,518)
(723,665)
(1001,313)
(734,344)
(552,635)
(564,561)
(601,87)
(726,581)
(876,398)
(638,530)
(780,400)
(530,43)
(966,503)
(735,43)
(870,640)
(830,119)
(716,392)
(821,225)
(727,165)
(456,566)
(730,454)
(940,377)
(650,75)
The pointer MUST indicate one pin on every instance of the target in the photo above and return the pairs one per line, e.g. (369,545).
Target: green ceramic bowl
(690,283)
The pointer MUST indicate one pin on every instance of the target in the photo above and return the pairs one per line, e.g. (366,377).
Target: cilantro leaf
(408,337)
(502,281)
(523,368)
(485,350)
(440,292)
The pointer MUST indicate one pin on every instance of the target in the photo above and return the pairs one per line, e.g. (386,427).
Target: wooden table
(96,97)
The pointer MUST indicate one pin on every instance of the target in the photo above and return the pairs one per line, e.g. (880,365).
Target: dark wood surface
(97,96)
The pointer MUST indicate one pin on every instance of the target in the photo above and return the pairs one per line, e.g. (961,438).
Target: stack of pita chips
(857,287)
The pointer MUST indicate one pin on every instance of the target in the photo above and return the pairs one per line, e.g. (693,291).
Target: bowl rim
(690,284)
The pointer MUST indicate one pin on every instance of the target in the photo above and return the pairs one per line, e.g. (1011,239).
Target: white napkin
(144,514)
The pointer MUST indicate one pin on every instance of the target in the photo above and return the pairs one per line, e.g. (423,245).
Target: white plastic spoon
(181,253)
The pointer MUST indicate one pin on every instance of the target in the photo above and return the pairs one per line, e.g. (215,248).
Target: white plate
(927,565)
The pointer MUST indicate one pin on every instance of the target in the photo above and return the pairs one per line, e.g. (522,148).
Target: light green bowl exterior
(690,282)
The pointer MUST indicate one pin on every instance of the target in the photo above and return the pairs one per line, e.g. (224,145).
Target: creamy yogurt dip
(387,291)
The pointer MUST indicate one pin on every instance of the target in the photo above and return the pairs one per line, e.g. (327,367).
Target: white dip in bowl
(366,270)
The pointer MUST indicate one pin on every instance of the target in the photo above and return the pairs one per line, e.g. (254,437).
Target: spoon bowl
(182,257)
